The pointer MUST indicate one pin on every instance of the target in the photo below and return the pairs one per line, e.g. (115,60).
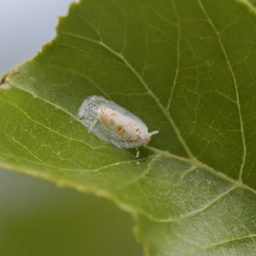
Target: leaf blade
(204,111)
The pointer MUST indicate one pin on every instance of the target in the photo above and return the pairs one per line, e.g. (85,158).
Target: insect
(114,124)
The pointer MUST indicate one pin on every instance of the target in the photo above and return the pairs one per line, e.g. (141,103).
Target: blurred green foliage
(38,218)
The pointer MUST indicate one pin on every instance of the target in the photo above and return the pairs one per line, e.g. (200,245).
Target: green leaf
(188,69)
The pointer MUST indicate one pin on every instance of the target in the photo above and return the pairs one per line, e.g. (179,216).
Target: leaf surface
(186,68)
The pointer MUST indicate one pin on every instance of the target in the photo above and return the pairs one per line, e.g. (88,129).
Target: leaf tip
(5,80)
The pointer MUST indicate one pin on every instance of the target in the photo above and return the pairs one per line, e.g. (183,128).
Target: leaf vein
(51,130)
(31,153)
(145,173)
(227,241)
(203,208)
(178,60)
(236,87)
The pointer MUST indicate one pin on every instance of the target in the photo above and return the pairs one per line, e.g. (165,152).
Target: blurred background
(36,217)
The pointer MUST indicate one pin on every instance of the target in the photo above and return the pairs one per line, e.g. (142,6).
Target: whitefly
(114,124)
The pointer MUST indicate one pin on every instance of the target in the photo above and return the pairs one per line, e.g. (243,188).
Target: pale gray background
(25,25)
